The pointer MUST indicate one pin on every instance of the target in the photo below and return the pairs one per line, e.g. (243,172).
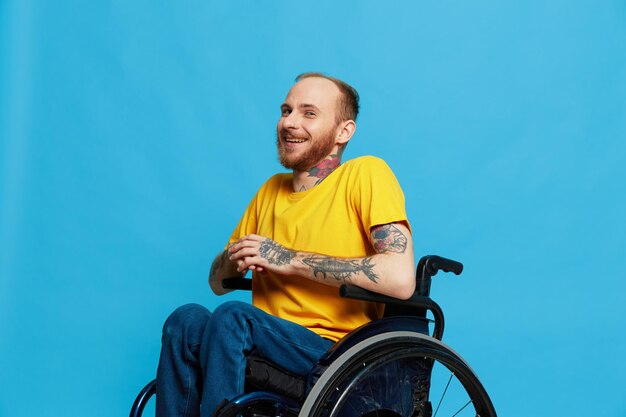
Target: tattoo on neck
(324,168)
(275,253)
(388,238)
(340,269)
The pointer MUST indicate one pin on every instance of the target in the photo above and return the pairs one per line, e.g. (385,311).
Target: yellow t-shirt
(333,218)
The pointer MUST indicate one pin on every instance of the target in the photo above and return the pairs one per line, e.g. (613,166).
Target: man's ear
(345,130)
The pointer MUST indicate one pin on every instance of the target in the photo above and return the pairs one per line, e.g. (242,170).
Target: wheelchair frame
(364,350)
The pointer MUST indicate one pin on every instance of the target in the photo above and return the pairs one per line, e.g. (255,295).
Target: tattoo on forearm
(274,253)
(340,269)
(388,238)
(217,264)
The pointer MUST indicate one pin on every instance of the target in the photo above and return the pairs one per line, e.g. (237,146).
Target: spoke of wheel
(468,403)
(443,394)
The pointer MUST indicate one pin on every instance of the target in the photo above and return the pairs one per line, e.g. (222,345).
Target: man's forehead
(314,90)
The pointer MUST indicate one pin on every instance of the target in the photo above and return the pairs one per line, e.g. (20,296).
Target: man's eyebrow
(303,106)
(308,106)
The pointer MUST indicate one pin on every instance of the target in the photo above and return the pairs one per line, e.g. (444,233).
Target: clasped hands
(259,253)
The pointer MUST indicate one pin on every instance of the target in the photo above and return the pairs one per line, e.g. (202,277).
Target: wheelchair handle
(431,264)
(428,266)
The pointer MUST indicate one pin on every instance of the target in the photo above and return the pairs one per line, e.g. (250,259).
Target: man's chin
(294,165)
(286,162)
(288,159)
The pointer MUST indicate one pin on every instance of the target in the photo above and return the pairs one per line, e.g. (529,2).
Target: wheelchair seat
(388,367)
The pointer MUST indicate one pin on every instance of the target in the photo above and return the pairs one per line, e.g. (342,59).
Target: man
(302,236)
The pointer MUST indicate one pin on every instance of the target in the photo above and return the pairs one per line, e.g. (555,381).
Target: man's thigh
(287,344)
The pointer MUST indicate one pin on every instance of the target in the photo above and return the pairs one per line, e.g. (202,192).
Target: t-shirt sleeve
(378,196)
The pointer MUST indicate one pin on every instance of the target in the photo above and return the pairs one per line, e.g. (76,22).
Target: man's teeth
(291,140)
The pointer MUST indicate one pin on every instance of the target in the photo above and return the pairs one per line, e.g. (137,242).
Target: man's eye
(309,114)
(285,112)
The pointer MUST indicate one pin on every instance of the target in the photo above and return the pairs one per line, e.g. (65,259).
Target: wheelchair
(386,368)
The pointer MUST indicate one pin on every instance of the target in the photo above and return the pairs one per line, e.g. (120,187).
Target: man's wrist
(275,254)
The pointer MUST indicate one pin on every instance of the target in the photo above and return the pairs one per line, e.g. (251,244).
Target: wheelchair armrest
(352,291)
(237,283)
(416,303)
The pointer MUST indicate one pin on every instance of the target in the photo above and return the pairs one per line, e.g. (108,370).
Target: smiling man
(304,234)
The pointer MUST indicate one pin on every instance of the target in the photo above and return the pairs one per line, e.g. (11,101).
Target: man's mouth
(290,139)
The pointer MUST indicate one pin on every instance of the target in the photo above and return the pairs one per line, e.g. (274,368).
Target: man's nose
(291,120)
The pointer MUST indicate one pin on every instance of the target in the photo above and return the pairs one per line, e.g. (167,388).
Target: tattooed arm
(389,271)
(222,268)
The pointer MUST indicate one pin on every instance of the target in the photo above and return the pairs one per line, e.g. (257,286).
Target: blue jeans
(203,361)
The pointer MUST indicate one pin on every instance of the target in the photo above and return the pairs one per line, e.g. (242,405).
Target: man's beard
(320,148)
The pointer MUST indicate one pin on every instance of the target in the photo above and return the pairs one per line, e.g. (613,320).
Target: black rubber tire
(329,394)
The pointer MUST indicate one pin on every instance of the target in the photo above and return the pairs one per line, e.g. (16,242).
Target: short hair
(348,105)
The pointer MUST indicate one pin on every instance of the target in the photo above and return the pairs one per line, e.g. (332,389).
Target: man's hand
(258,253)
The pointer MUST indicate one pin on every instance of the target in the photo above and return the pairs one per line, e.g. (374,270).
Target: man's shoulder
(275,181)
(367,162)
(368,170)
(279,177)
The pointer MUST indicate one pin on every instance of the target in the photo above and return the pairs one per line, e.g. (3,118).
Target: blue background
(133,135)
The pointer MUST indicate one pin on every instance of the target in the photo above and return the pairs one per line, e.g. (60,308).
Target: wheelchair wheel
(400,374)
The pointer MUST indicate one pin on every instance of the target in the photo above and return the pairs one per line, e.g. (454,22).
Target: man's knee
(231,316)
(184,318)
(232,310)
